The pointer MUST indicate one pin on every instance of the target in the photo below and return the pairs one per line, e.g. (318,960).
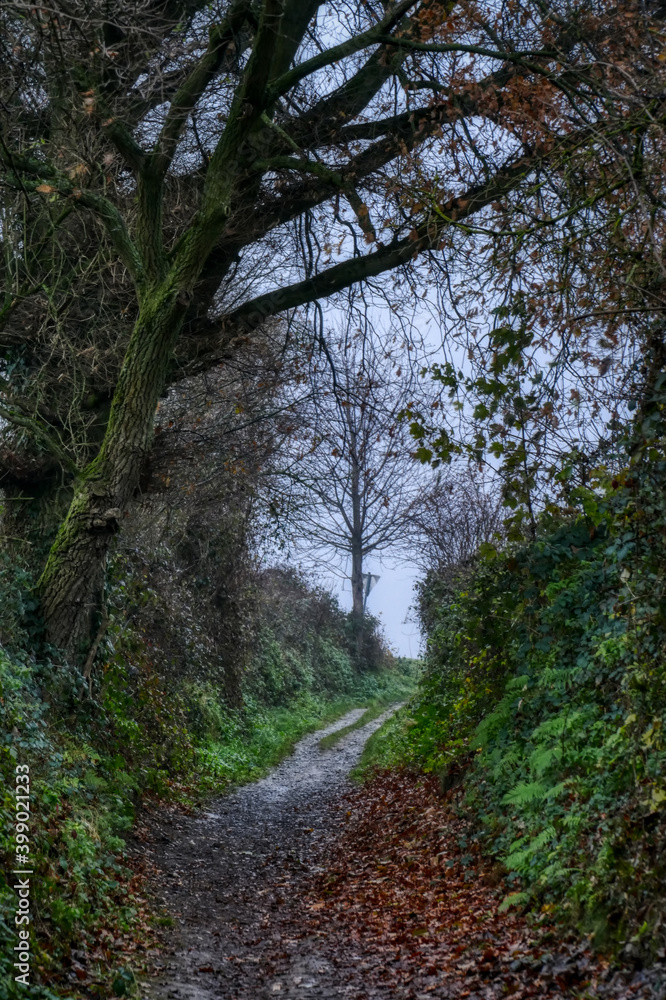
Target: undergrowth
(142,733)
(545,682)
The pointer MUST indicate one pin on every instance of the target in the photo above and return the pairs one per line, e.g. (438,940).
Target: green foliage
(304,642)
(388,747)
(545,673)
(80,799)
(17,606)
(154,722)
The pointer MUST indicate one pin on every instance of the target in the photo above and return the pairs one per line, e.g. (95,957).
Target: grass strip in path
(374,710)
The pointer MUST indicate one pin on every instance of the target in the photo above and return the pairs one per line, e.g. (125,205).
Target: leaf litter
(353,893)
(409,894)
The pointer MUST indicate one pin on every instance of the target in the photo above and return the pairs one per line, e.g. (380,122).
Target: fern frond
(523,793)
(514,899)
(543,757)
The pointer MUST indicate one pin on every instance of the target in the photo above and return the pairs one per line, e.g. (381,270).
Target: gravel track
(229,877)
(235,878)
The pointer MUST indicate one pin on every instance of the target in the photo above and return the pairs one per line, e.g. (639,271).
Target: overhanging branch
(426,236)
(190,92)
(333,55)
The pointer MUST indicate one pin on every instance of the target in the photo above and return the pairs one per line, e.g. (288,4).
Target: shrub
(545,668)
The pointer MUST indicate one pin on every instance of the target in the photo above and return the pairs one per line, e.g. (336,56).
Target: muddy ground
(239,881)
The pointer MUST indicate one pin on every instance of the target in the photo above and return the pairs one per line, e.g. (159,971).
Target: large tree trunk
(71,585)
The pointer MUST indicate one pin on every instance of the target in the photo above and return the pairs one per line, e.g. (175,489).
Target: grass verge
(255,743)
(385,748)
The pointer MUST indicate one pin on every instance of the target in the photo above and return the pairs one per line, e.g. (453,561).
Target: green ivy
(545,672)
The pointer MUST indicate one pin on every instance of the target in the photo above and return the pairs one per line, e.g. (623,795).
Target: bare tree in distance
(355,485)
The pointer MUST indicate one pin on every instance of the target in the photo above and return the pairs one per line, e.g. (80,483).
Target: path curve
(229,877)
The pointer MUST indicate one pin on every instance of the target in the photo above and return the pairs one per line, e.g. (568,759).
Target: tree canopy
(174,174)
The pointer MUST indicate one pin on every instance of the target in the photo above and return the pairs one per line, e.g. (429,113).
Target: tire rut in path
(230,879)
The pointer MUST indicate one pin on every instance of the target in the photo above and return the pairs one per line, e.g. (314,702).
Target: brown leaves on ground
(121,937)
(413,905)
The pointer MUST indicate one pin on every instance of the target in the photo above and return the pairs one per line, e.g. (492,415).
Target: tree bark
(356,544)
(357,575)
(356,538)
(71,584)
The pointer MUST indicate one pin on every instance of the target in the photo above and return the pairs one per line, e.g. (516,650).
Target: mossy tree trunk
(72,581)
(71,585)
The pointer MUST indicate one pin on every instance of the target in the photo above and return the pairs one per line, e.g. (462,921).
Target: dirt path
(298,886)
(230,877)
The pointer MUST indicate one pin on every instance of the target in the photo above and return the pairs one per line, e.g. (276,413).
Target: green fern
(557,726)
(517,860)
(555,791)
(525,792)
(543,758)
(513,899)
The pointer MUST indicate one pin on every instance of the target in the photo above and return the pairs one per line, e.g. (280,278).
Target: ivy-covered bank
(146,727)
(545,687)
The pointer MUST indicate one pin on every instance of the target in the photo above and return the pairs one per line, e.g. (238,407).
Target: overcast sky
(390,601)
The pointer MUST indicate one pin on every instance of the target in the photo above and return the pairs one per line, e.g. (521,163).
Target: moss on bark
(71,584)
